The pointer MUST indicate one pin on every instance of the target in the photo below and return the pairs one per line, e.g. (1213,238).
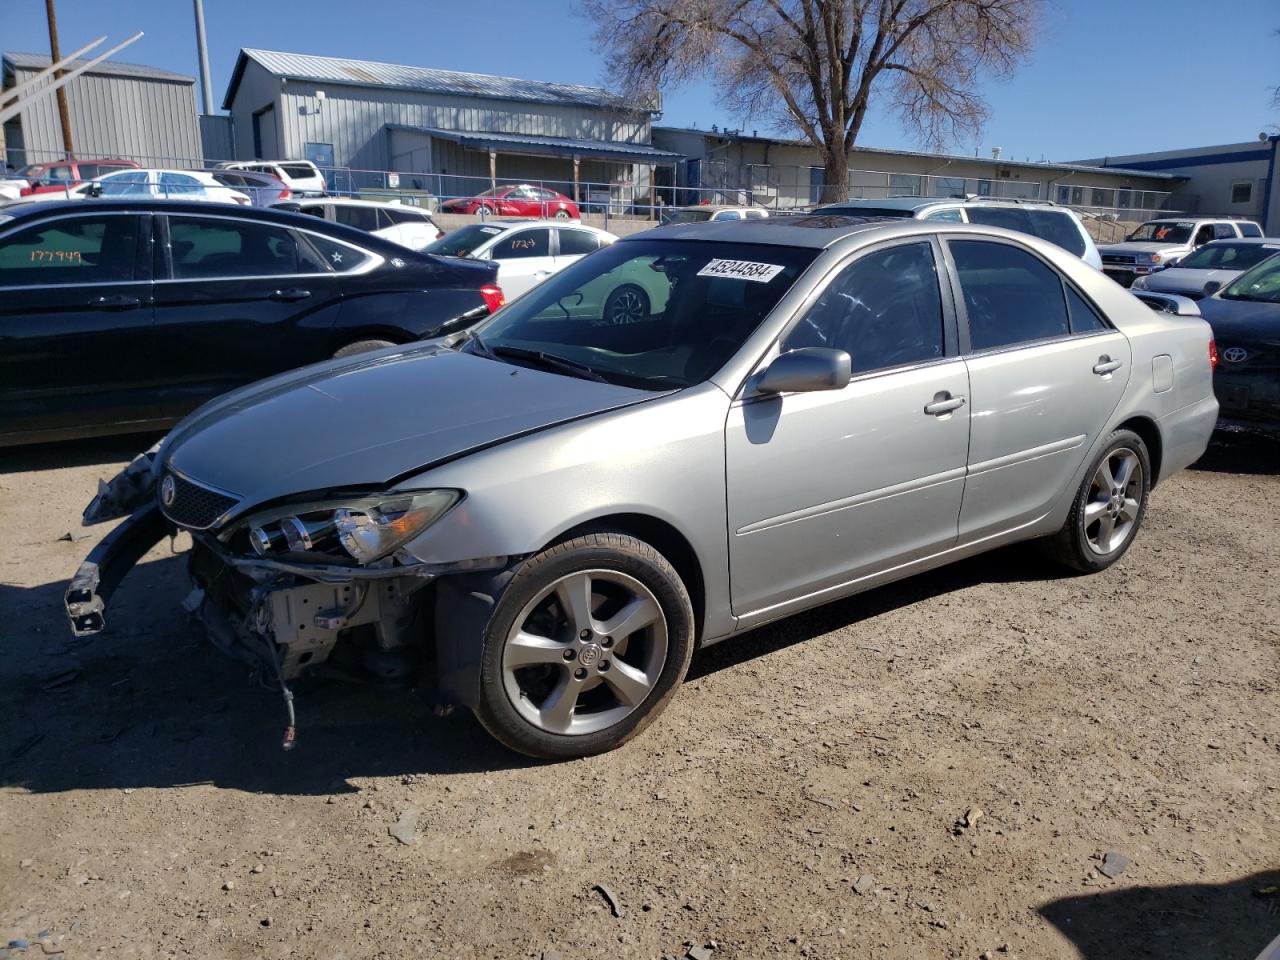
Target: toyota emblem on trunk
(1235,354)
(168,490)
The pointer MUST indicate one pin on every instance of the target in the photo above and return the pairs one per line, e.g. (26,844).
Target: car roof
(1246,241)
(885,203)
(356,202)
(815,231)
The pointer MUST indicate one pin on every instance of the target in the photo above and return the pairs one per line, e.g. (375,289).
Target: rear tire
(1109,507)
(625,305)
(563,214)
(587,644)
(361,346)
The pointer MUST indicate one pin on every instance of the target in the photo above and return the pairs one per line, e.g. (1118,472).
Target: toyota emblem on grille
(168,490)
(1235,354)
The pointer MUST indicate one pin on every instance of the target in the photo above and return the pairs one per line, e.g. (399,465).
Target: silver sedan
(558,508)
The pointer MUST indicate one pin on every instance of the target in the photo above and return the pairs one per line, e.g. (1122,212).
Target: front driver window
(880,323)
(526,243)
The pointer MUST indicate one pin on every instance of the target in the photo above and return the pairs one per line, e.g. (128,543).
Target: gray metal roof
(370,73)
(550,146)
(109,68)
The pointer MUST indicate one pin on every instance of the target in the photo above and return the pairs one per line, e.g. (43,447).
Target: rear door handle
(117,301)
(943,404)
(1106,365)
(292,293)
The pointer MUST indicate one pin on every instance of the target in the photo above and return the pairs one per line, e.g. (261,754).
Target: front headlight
(363,529)
(1140,283)
(1148,258)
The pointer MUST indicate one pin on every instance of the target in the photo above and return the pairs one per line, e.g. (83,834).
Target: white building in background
(1233,179)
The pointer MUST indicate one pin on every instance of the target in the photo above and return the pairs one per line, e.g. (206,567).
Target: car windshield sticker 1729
(741,270)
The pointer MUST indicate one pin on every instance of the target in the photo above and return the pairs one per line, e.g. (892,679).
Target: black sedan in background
(1245,317)
(123,316)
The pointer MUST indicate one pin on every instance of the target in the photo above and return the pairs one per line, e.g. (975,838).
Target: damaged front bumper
(91,588)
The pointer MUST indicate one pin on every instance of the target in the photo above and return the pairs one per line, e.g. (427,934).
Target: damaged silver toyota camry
(687,434)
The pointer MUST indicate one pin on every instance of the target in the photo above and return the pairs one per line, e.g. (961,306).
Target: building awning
(535,146)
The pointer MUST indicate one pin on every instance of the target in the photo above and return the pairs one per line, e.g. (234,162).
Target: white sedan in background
(408,226)
(526,251)
(171,184)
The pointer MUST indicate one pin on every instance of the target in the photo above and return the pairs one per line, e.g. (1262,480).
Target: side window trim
(950,328)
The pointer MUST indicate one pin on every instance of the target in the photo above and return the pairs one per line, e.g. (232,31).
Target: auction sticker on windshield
(741,270)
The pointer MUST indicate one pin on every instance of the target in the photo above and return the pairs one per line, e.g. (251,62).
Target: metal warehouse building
(117,110)
(442,125)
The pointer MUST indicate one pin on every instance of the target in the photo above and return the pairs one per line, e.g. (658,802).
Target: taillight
(1213,354)
(439,234)
(284,195)
(493,296)
(243,201)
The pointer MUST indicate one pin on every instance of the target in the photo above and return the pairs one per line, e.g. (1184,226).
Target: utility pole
(62,91)
(202,51)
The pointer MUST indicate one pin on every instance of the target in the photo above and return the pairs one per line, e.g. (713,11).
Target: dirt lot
(799,798)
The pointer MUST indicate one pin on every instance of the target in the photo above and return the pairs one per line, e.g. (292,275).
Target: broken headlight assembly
(361,529)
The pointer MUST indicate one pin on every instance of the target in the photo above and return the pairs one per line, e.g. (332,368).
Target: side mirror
(806,370)
(95,190)
(1212,287)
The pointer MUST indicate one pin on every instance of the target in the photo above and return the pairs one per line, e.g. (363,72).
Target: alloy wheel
(627,307)
(585,652)
(1115,499)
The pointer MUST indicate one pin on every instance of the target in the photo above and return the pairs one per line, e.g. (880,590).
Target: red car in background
(61,174)
(524,200)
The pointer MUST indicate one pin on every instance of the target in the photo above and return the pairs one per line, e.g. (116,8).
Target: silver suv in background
(1059,225)
(1158,244)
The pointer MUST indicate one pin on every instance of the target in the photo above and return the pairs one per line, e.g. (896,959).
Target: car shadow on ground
(1238,452)
(149,703)
(1226,921)
(77,453)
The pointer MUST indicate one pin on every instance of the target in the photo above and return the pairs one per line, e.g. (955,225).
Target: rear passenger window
(879,324)
(1249,229)
(217,249)
(574,243)
(1010,296)
(339,256)
(1223,231)
(1084,319)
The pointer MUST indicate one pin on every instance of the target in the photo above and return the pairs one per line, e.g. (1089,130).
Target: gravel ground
(933,769)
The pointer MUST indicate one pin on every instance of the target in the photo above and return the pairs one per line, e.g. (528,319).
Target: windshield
(1261,283)
(1163,232)
(1228,256)
(686,216)
(649,313)
(463,242)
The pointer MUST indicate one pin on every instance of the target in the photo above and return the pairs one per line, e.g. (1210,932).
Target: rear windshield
(1179,232)
(463,242)
(298,171)
(1056,226)
(687,216)
(1225,255)
(646,313)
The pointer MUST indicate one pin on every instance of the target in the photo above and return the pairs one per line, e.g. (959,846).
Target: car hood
(1179,279)
(364,421)
(1242,319)
(1140,246)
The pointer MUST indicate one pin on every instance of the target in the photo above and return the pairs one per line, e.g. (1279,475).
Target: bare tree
(816,65)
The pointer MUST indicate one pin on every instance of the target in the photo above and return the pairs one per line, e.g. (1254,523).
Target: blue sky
(1107,76)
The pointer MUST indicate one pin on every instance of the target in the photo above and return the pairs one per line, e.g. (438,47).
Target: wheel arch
(663,537)
(1147,429)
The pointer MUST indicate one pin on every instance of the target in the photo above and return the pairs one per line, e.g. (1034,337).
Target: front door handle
(943,403)
(1106,365)
(292,293)
(118,301)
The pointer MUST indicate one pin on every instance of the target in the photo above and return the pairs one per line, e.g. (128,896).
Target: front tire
(1109,506)
(586,646)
